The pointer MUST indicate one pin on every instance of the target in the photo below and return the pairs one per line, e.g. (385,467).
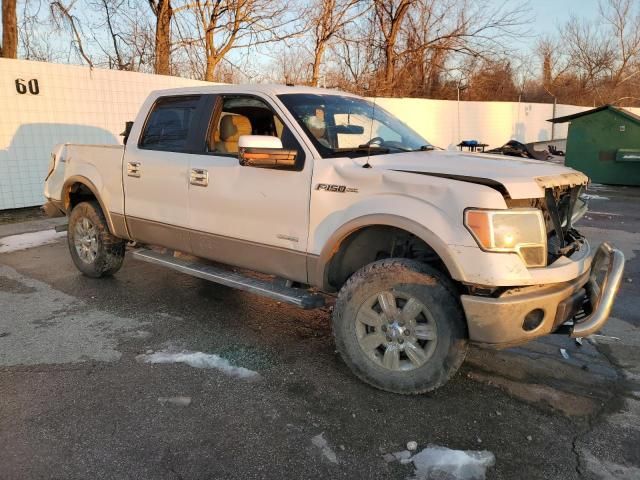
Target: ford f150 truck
(328,194)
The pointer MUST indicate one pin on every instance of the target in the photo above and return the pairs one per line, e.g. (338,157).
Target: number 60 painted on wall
(32,86)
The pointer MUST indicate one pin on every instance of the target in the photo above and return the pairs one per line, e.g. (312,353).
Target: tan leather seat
(231,127)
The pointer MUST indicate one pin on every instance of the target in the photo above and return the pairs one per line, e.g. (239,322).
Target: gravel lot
(78,400)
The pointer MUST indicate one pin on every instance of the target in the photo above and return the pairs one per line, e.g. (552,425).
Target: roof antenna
(373,114)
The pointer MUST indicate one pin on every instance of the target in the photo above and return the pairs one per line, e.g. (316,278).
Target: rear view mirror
(349,129)
(264,151)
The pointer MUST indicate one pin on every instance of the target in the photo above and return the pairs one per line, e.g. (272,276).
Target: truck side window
(168,124)
(247,115)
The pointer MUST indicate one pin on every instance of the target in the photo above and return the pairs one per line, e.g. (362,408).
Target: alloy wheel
(396,330)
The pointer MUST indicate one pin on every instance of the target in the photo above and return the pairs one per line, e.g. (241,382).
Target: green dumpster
(604,143)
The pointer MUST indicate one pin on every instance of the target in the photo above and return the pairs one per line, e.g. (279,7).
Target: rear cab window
(169,124)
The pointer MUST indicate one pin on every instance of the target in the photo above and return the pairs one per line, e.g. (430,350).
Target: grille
(559,206)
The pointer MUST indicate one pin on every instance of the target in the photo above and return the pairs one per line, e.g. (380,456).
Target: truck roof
(273,89)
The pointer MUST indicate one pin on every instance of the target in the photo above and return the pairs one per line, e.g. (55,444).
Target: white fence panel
(445,122)
(65,103)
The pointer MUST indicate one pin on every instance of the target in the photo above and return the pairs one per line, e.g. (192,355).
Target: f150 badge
(335,188)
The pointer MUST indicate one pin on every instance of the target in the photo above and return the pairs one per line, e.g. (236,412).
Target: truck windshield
(351,126)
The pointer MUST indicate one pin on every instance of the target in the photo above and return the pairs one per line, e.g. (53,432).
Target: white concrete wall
(80,105)
(445,124)
(74,104)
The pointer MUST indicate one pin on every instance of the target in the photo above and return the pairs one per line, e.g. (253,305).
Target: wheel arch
(78,188)
(320,267)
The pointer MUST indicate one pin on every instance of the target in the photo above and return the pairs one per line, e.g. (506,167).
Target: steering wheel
(379,141)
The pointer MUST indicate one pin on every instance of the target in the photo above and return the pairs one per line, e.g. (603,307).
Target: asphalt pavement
(79,400)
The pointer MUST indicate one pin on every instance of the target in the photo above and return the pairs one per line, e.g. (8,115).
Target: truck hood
(517,177)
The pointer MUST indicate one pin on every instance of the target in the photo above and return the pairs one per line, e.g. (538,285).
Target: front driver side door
(244,216)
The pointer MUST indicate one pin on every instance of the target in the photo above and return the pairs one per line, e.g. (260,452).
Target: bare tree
(428,40)
(356,55)
(548,50)
(439,34)
(606,53)
(326,19)
(35,42)
(591,51)
(163,12)
(62,16)
(111,11)
(9,47)
(389,15)
(140,37)
(494,80)
(418,40)
(224,25)
(290,65)
(123,34)
(624,24)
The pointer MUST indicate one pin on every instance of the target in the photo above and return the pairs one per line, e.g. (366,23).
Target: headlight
(517,230)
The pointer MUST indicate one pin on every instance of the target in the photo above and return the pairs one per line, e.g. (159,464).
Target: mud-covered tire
(415,287)
(94,250)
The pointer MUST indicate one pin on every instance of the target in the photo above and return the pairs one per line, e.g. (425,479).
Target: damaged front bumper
(579,307)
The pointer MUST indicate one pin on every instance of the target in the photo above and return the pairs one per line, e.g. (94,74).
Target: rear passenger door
(246,216)
(156,171)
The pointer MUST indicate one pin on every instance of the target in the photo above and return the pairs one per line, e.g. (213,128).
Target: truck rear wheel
(95,252)
(399,326)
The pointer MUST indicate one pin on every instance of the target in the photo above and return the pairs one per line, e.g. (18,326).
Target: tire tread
(448,294)
(113,248)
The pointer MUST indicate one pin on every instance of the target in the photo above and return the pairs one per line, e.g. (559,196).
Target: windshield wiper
(372,150)
(425,148)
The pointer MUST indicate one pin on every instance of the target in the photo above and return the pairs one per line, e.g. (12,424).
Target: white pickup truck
(330,195)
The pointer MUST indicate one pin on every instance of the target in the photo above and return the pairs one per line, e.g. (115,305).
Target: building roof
(621,111)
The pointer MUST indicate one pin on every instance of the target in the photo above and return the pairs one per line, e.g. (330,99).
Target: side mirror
(127,131)
(264,151)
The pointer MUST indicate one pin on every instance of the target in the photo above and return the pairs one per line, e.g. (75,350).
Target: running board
(294,296)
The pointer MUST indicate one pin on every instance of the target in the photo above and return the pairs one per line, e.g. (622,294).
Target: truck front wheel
(399,326)
(95,252)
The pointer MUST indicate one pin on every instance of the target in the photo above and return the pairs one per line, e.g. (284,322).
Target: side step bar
(294,296)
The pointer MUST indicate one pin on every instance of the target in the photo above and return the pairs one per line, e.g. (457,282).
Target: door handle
(199,177)
(133,169)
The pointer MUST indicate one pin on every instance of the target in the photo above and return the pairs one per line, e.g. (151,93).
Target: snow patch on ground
(179,401)
(24,241)
(321,442)
(435,462)
(199,360)
(591,196)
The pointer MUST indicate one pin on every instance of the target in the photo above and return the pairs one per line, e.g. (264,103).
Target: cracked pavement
(75,403)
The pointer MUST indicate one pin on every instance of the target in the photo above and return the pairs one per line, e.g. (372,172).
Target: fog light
(533,319)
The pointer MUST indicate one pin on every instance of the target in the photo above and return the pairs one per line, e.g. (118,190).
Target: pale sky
(549,15)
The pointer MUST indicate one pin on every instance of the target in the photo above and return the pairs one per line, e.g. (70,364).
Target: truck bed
(101,164)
